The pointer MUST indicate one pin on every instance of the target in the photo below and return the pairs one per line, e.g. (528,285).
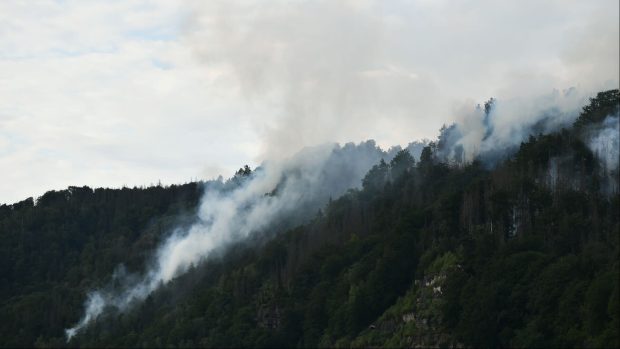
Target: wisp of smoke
(276,190)
(605,142)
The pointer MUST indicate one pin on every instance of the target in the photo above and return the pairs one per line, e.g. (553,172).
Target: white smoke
(94,307)
(393,70)
(491,134)
(353,70)
(605,142)
(276,190)
(281,189)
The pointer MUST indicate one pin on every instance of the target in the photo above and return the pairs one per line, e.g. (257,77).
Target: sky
(113,93)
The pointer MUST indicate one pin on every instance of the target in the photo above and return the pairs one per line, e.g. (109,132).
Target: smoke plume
(296,187)
(293,190)
(393,71)
(495,130)
(605,143)
(351,70)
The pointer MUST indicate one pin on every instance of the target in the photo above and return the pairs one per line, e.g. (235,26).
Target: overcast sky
(113,93)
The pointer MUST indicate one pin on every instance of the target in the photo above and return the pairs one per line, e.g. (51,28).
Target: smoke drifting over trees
(501,232)
(333,71)
(291,191)
(493,132)
(283,191)
(317,248)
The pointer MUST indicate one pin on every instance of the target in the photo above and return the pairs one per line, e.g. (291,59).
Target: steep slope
(425,253)
(53,251)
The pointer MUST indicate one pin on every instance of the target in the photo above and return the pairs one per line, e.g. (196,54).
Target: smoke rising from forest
(230,212)
(605,142)
(339,70)
(294,189)
(392,71)
(492,131)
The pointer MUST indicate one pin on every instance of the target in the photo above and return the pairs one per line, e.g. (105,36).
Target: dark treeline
(424,254)
(54,250)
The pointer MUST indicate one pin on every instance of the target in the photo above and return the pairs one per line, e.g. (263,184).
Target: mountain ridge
(423,253)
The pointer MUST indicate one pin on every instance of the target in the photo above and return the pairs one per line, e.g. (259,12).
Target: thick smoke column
(277,190)
(351,70)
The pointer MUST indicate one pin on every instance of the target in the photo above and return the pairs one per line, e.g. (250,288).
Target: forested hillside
(70,240)
(427,252)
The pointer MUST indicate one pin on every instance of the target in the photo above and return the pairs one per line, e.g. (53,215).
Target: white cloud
(106,94)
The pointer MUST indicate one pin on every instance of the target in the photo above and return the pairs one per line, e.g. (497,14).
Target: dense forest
(427,252)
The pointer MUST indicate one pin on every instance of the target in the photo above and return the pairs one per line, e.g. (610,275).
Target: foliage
(425,254)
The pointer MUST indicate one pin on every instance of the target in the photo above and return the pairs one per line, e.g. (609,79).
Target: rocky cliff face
(415,321)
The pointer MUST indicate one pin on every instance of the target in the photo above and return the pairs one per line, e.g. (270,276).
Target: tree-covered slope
(53,252)
(524,254)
